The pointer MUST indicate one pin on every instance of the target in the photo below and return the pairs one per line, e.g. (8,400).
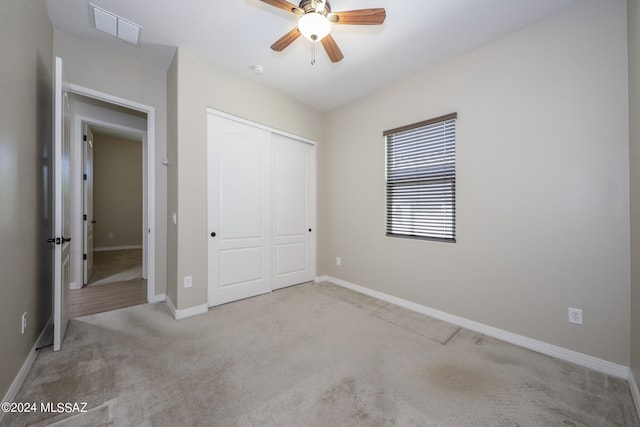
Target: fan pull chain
(313,54)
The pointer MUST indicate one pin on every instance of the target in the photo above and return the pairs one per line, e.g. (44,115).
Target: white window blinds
(421,179)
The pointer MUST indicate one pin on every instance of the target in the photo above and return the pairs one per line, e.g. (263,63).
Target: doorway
(112,222)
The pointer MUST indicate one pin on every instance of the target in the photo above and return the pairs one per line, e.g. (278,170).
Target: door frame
(80,121)
(86,189)
(148,169)
(263,127)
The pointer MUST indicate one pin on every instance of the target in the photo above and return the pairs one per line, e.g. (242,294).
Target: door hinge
(84,256)
(84,217)
(84,137)
(84,176)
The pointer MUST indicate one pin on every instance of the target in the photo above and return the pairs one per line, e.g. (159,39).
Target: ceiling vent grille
(115,25)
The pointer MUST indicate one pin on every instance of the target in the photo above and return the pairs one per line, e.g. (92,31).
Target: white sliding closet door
(294,209)
(239,214)
(261,210)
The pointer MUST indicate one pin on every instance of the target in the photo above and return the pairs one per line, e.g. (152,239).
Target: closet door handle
(213,234)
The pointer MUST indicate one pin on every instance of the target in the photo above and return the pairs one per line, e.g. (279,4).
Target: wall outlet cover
(575,316)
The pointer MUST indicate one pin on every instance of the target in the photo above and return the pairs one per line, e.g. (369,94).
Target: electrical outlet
(188,281)
(575,316)
(24,322)
(338,261)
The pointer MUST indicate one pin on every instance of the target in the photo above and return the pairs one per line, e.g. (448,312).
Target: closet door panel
(239,211)
(294,211)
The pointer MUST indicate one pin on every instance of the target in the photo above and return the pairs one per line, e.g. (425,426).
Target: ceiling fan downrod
(315,6)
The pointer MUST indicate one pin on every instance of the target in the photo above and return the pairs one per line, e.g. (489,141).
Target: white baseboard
(116,248)
(187,312)
(74,285)
(581,359)
(157,298)
(26,366)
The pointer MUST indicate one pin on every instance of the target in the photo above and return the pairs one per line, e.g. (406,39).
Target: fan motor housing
(309,6)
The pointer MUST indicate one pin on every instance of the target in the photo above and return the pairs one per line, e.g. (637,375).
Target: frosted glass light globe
(314,26)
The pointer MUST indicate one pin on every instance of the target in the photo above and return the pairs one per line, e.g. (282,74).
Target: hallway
(116,282)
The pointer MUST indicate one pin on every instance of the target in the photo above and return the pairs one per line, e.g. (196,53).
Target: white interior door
(239,214)
(61,203)
(294,211)
(87,200)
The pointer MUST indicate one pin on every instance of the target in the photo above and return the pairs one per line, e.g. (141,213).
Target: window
(421,179)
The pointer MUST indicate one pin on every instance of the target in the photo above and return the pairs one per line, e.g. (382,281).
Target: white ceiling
(236,34)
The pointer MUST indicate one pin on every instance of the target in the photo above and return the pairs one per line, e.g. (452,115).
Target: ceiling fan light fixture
(314,26)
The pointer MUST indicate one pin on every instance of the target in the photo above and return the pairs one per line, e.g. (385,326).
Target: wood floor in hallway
(116,282)
(96,299)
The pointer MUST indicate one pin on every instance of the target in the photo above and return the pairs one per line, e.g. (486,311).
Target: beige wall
(201,85)
(117,195)
(25,134)
(634,152)
(542,187)
(101,69)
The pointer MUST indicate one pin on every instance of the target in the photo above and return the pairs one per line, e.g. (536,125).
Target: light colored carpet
(116,266)
(309,355)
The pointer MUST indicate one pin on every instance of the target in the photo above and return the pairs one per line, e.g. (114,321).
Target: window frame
(425,179)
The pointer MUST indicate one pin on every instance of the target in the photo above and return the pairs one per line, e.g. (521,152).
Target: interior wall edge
(171,306)
(635,392)
(633,35)
(179,314)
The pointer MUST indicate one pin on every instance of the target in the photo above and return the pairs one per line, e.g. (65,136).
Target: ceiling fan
(315,23)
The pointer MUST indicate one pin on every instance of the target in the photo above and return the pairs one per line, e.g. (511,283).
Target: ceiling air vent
(115,25)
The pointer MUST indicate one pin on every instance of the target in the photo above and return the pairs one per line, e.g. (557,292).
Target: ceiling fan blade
(359,17)
(332,49)
(286,40)
(285,5)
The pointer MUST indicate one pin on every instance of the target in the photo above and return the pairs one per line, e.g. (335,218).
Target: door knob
(309,230)
(213,234)
(59,240)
